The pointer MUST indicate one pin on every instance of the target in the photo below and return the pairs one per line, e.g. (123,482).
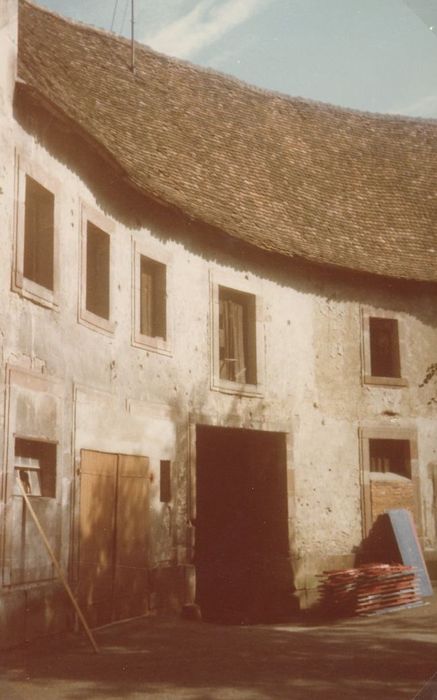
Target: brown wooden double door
(113,537)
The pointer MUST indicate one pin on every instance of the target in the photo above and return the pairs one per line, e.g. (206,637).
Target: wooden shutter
(97,271)
(146,298)
(153,299)
(38,234)
(384,347)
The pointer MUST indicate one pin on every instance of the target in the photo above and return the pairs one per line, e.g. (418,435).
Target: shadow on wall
(380,545)
(32,613)
(137,211)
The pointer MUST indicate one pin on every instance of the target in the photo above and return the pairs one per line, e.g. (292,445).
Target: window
(35,465)
(237,350)
(151,309)
(165,481)
(389,472)
(97,271)
(153,312)
(95,294)
(35,274)
(382,349)
(237,335)
(38,234)
(390,456)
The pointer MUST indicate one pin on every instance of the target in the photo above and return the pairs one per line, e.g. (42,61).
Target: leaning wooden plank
(58,568)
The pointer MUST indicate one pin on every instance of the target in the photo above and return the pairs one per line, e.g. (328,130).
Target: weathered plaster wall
(312,350)
(121,398)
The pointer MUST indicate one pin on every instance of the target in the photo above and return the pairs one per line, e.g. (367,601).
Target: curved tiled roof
(287,175)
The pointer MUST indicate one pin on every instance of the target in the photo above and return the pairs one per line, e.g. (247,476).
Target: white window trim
(140,340)
(20,284)
(86,317)
(366,375)
(236,284)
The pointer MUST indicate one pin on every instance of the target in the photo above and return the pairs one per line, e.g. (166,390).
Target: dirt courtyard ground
(389,656)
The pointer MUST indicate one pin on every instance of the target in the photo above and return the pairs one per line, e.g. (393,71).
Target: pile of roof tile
(369,589)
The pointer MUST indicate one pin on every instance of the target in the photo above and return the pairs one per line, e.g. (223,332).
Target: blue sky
(376,55)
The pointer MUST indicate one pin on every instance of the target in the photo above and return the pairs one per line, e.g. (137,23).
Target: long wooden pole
(58,568)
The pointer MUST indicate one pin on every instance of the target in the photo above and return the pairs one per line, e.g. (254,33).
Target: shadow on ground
(389,657)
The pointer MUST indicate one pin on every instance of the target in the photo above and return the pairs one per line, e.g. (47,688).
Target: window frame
(28,288)
(246,287)
(37,469)
(86,317)
(367,376)
(367,433)
(381,455)
(163,346)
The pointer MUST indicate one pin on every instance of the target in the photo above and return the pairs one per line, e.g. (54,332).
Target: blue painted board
(408,544)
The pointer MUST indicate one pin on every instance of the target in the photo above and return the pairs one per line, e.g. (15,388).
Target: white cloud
(207,22)
(224,57)
(423,107)
(155,15)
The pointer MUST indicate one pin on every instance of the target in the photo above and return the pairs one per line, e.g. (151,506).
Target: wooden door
(98,487)
(113,538)
(242,563)
(131,538)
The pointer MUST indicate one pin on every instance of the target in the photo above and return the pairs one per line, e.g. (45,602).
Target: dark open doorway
(243,571)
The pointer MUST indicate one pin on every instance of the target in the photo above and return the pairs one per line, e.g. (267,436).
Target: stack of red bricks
(369,589)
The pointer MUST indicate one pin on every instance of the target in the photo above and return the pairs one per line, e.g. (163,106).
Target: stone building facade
(218,308)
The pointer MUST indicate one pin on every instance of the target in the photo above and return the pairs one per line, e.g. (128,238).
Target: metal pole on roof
(132,36)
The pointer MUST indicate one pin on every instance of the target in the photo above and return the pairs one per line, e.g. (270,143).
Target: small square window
(35,465)
(153,302)
(384,347)
(38,234)
(237,345)
(390,456)
(165,481)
